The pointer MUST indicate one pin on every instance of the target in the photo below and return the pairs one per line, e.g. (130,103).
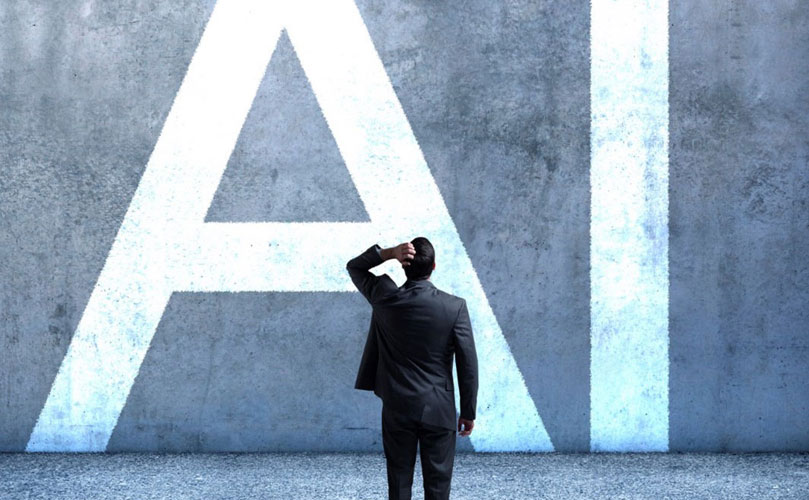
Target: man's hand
(403,252)
(465,426)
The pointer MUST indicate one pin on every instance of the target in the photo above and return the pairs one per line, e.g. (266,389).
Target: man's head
(422,265)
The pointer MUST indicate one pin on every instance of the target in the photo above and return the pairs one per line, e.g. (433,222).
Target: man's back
(415,330)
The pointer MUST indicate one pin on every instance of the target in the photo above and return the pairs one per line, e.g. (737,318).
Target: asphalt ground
(362,475)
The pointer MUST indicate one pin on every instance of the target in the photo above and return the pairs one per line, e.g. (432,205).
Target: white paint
(629,225)
(163,245)
(87,8)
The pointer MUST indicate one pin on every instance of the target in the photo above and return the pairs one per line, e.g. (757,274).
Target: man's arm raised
(370,285)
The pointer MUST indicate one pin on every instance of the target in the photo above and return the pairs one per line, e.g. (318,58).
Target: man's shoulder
(451,299)
(438,294)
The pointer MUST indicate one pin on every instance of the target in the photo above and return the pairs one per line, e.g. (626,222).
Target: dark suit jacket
(415,329)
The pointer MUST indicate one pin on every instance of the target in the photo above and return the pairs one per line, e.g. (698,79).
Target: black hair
(421,265)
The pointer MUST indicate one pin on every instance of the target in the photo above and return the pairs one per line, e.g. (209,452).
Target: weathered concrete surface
(739,214)
(362,476)
(85,89)
(503,126)
(497,94)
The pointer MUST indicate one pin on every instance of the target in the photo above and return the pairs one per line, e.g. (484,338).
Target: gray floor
(362,475)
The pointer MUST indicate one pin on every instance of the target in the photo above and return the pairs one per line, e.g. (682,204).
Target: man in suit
(407,362)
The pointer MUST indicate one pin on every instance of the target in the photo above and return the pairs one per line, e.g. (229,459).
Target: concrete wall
(738,225)
(497,94)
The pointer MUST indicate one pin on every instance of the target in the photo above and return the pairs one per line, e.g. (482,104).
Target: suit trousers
(400,435)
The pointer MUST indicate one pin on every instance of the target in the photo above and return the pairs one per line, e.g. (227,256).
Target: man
(407,362)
